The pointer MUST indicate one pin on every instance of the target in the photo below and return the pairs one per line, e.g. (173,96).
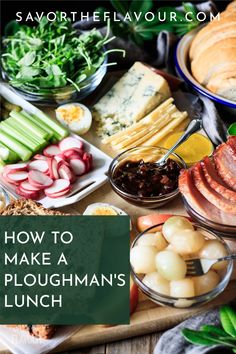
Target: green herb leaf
(120,6)
(191,10)
(228,320)
(172,14)
(27,59)
(213,330)
(11,28)
(141,6)
(27,72)
(101,10)
(197,337)
(232,129)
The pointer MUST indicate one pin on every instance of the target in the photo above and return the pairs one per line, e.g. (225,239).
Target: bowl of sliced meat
(209,190)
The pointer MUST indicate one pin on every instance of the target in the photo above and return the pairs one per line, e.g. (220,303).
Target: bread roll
(224,84)
(232,5)
(213,60)
(213,29)
(212,40)
(213,54)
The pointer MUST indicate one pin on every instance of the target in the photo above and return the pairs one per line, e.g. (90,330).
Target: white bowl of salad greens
(53,63)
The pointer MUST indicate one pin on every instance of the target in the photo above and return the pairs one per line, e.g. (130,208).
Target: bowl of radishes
(51,173)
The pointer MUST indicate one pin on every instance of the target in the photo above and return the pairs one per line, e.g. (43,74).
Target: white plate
(85,184)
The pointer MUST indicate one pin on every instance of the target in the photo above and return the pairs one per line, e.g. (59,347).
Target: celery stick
(2,164)
(53,133)
(12,156)
(26,114)
(4,153)
(21,138)
(23,152)
(12,122)
(35,120)
(30,126)
(53,124)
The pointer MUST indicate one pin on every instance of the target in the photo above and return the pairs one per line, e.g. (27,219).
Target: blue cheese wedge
(136,94)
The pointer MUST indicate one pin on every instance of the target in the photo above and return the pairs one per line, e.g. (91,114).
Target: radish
(70,152)
(51,151)
(59,158)
(40,180)
(75,156)
(70,143)
(66,173)
(78,166)
(88,159)
(28,187)
(60,194)
(55,169)
(40,157)
(53,165)
(27,194)
(8,180)
(17,167)
(58,186)
(18,176)
(61,163)
(39,165)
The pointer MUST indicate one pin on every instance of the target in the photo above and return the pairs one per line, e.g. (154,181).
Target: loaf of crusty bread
(213,54)
(27,207)
(232,6)
(39,331)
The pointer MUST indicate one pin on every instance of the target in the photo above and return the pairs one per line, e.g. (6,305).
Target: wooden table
(138,345)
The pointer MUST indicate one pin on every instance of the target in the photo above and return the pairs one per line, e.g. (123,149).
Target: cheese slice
(165,106)
(147,132)
(154,140)
(136,94)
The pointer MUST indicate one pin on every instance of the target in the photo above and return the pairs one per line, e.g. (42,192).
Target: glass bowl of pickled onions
(158,267)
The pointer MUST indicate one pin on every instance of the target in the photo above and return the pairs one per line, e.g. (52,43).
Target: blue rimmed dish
(182,65)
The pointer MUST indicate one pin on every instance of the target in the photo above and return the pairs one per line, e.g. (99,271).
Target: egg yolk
(104,211)
(71,113)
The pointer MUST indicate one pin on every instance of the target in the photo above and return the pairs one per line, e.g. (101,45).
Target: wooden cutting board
(148,318)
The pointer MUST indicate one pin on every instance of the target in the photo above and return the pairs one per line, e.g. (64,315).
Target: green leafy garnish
(228,320)
(209,335)
(232,129)
(140,29)
(51,54)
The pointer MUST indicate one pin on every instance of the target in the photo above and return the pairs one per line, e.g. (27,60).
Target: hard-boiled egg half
(75,116)
(103,209)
